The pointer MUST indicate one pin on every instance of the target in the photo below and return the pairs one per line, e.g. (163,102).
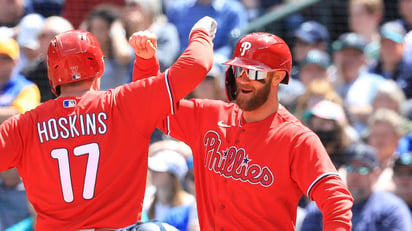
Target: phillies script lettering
(234,162)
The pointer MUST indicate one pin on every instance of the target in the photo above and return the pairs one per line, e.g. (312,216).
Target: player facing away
(253,160)
(83,156)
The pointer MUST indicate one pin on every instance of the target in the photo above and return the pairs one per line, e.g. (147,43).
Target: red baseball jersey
(250,176)
(83,160)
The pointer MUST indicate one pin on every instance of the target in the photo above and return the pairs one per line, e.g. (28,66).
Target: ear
(278,76)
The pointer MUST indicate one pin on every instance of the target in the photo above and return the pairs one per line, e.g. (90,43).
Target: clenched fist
(144,44)
(208,24)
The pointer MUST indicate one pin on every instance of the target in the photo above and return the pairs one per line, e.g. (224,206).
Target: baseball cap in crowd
(9,48)
(393,30)
(312,32)
(29,29)
(349,40)
(168,161)
(363,153)
(326,109)
(316,57)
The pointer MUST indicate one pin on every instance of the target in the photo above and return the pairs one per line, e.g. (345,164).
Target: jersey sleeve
(144,68)
(156,97)
(317,177)
(183,124)
(10,143)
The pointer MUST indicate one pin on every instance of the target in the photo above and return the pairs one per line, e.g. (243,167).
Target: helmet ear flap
(230,84)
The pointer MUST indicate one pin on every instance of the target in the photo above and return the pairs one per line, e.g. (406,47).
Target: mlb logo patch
(69,103)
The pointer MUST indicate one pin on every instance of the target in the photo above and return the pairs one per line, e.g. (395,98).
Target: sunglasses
(360,170)
(251,74)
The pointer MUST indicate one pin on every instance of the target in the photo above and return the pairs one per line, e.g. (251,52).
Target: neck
(270,106)
(79,88)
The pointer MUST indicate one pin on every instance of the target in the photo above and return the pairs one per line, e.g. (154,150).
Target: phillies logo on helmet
(75,72)
(244,47)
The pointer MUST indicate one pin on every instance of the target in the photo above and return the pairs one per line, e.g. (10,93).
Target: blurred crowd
(351,84)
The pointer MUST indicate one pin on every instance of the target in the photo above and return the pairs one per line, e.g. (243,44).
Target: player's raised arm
(190,68)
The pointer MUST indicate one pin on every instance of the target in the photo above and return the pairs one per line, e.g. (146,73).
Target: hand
(206,23)
(144,44)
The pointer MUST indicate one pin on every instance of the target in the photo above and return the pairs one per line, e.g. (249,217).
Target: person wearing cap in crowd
(29,28)
(392,64)
(364,19)
(402,177)
(308,36)
(328,120)
(372,209)
(17,94)
(352,82)
(314,66)
(37,73)
(167,171)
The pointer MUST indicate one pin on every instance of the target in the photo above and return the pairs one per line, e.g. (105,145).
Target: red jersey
(83,160)
(250,176)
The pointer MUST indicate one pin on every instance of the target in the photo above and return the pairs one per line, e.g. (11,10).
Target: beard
(255,100)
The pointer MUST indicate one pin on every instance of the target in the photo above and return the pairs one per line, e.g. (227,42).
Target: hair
(58,24)
(107,12)
(321,88)
(391,89)
(371,6)
(384,115)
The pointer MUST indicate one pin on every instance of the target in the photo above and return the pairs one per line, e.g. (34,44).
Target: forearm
(193,65)
(144,68)
(335,203)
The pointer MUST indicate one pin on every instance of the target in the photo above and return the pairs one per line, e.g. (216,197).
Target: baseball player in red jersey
(253,160)
(83,156)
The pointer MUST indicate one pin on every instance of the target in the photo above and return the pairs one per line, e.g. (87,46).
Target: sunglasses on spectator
(5,58)
(251,74)
(402,171)
(362,170)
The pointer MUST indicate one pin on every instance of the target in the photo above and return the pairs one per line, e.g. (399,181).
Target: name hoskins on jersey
(72,126)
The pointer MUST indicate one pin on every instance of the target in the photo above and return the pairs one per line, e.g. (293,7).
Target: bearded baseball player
(253,160)
(83,156)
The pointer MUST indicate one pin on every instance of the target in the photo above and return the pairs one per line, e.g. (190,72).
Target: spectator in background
(27,224)
(308,36)
(11,12)
(364,19)
(315,92)
(76,10)
(17,94)
(230,15)
(328,121)
(37,73)
(139,15)
(405,9)
(390,96)
(104,22)
(392,63)
(167,171)
(211,87)
(29,29)
(13,200)
(372,209)
(385,128)
(402,177)
(352,82)
(314,66)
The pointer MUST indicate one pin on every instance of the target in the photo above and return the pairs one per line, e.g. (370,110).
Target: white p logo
(245,46)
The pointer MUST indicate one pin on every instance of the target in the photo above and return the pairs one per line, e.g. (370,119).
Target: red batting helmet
(72,56)
(261,52)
